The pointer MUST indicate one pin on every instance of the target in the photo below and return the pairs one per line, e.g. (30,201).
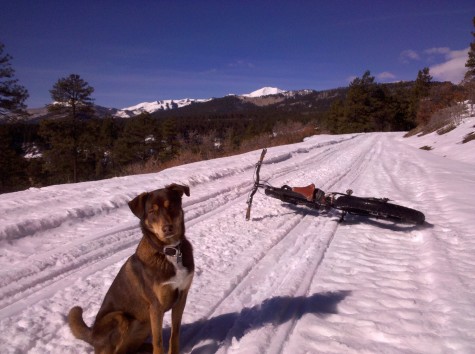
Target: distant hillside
(299,102)
(260,100)
(38,114)
(264,101)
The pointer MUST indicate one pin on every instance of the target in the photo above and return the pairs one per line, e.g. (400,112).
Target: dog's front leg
(156,323)
(177,314)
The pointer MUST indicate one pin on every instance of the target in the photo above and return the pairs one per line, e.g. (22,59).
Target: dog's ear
(179,188)
(137,205)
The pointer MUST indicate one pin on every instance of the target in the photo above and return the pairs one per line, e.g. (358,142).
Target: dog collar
(173,251)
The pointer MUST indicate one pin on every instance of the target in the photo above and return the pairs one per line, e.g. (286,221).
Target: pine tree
(469,80)
(422,84)
(140,140)
(72,98)
(359,104)
(170,140)
(12,164)
(12,95)
(399,106)
(420,91)
(470,64)
(97,142)
(59,155)
(335,119)
(71,95)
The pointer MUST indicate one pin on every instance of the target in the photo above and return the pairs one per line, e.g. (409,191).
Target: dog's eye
(153,209)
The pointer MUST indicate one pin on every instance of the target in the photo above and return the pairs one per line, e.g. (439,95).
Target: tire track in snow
(297,280)
(51,268)
(390,265)
(29,282)
(247,284)
(279,336)
(287,247)
(443,243)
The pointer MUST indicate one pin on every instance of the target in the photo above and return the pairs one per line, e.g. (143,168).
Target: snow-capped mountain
(154,106)
(258,97)
(265,91)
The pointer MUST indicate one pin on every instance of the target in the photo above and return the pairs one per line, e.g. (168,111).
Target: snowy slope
(450,144)
(154,106)
(290,280)
(265,91)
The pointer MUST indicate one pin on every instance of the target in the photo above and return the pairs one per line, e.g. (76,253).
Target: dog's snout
(168,228)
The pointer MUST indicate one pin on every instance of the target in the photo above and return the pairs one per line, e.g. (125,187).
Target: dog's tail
(79,329)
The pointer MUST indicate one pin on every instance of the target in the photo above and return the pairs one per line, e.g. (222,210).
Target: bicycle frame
(286,193)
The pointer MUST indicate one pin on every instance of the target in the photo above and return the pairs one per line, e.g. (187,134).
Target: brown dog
(155,279)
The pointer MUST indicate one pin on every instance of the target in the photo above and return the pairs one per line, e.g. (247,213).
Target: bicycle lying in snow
(315,198)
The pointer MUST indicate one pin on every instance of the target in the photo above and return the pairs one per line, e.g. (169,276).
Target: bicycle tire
(379,209)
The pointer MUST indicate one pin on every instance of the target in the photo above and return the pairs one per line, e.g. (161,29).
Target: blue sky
(136,51)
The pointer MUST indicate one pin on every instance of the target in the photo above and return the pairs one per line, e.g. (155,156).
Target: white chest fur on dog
(182,278)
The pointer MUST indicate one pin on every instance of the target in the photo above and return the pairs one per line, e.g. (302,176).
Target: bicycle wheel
(379,209)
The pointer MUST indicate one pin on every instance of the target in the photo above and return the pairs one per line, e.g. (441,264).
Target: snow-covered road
(290,280)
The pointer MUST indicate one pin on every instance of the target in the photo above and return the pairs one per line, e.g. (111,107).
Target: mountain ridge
(161,105)
(305,100)
(261,97)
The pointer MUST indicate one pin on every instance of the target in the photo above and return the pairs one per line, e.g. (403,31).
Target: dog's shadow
(277,310)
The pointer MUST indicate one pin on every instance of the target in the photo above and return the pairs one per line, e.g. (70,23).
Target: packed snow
(290,280)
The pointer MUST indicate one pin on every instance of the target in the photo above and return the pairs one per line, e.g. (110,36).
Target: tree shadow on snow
(275,311)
